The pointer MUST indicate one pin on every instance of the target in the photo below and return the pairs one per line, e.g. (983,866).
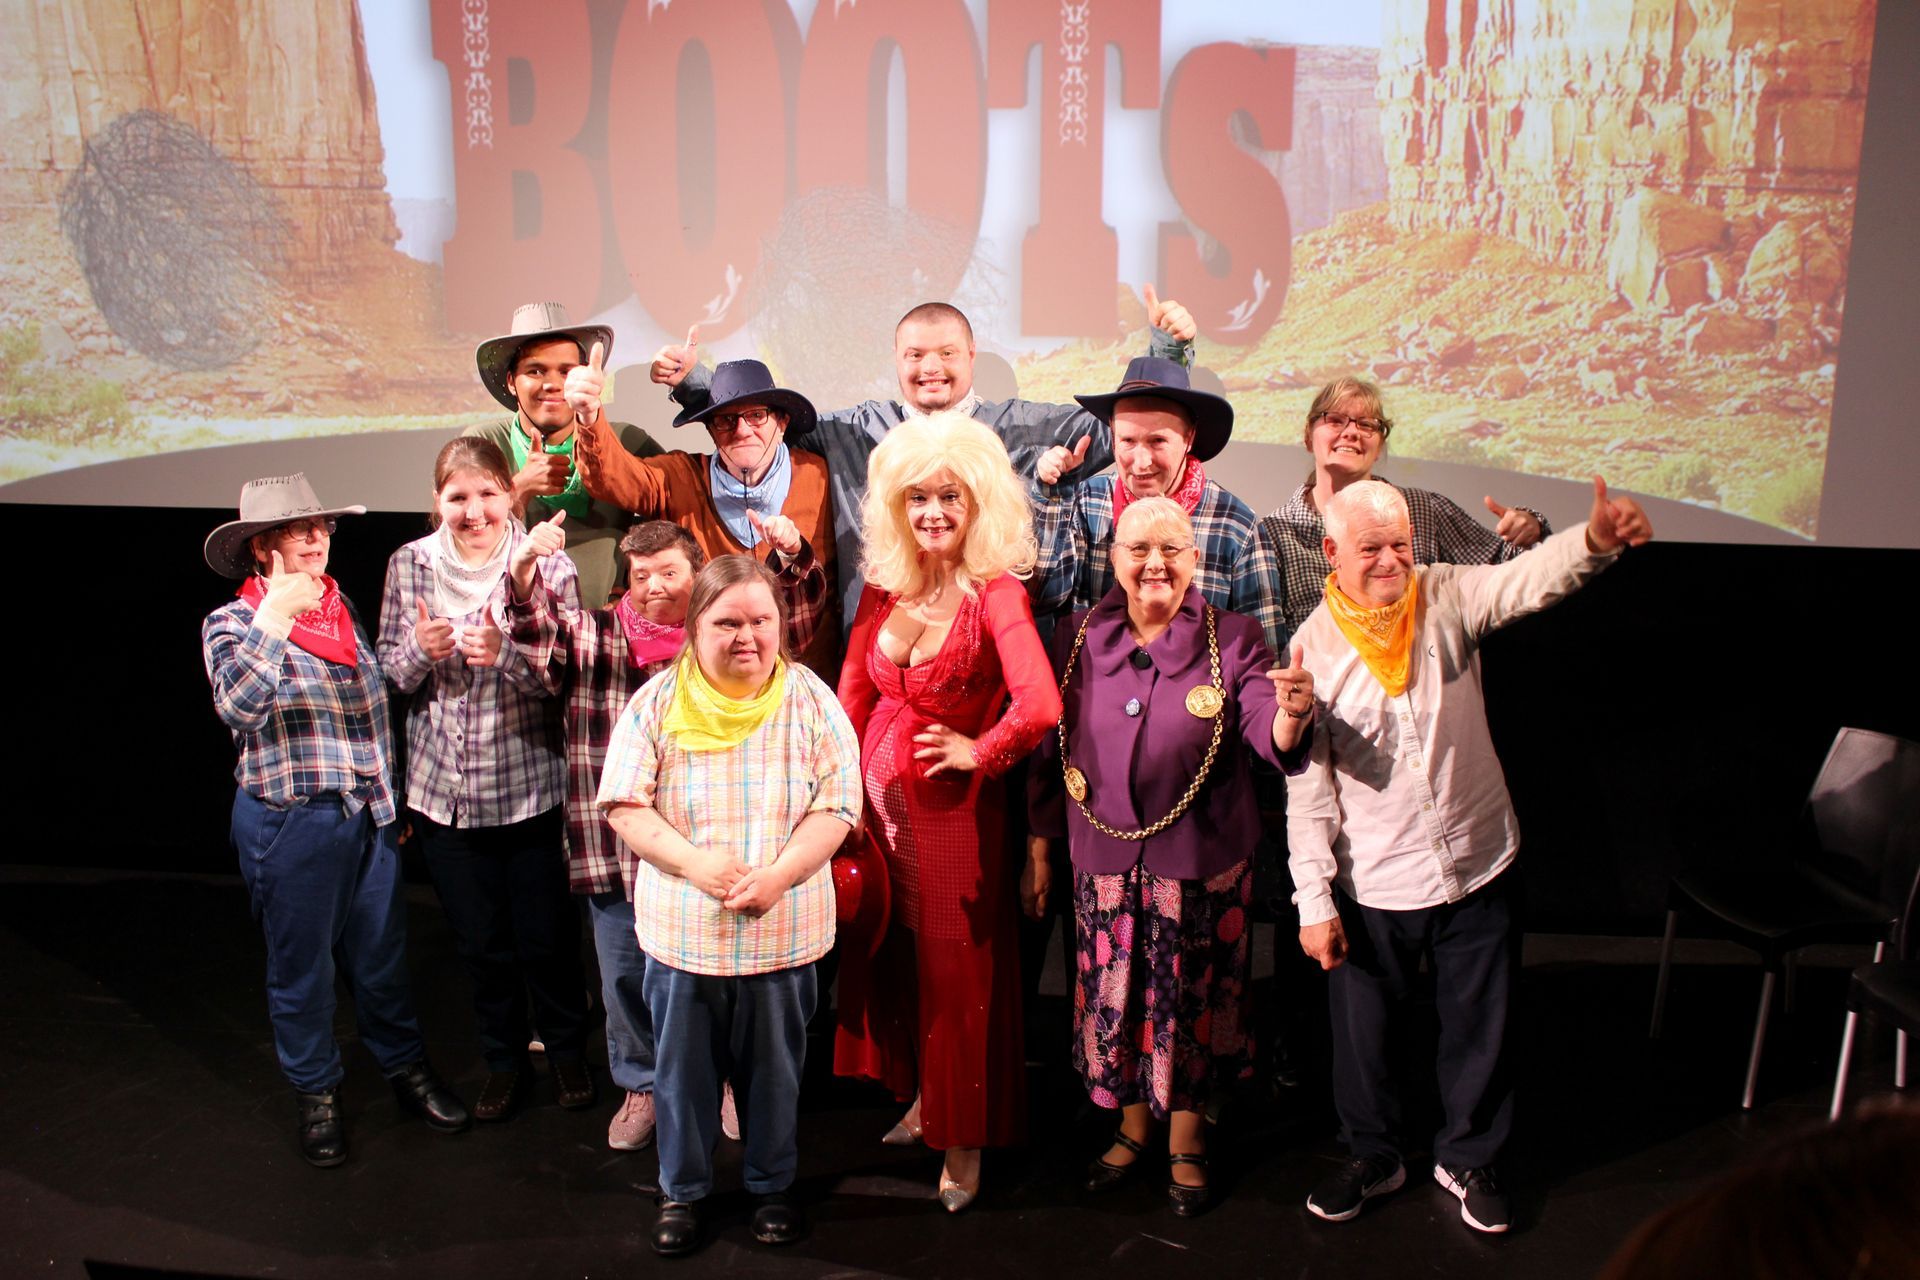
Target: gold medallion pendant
(1076,784)
(1204,701)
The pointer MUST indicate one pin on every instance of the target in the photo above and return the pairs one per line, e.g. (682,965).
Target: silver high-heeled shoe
(904,1134)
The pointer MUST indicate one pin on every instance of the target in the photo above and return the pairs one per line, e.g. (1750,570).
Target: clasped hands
(750,891)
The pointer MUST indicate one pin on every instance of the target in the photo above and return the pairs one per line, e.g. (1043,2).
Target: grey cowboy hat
(265,504)
(1160,379)
(533,322)
(750,382)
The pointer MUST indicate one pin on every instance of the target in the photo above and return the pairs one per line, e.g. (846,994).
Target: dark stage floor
(146,1125)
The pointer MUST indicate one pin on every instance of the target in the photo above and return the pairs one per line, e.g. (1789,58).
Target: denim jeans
(325,891)
(750,1030)
(623,970)
(505,893)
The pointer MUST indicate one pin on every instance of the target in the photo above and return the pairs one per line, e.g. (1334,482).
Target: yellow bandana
(1383,637)
(702,718)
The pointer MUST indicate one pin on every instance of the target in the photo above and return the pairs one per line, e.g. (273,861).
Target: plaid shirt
(1074,524)
(303,726)
(1442,534)
(804,759)
(588,656)
(483,743)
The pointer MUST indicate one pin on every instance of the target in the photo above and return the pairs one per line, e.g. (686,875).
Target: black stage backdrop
(1684,701)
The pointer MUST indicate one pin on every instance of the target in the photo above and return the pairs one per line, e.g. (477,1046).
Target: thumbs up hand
(670,363)
(481,643)
(290,592)
(585,384)
(1293,689)
(544,474)
(1516,526)
(1059,460)
(1616,521)
(433,635)
(1169,317)
(783,533)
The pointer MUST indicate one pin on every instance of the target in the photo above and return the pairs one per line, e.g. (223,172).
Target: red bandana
(325,631)
(647,642)
(1186,493)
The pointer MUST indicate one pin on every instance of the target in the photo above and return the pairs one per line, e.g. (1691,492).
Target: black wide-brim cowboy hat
(1160,379)
(750,382)
(265,504)
(534,322)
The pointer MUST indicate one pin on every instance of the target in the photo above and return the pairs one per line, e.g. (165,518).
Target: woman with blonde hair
(943,635)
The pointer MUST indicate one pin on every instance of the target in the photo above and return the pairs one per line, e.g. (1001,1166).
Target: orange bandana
(1383,637)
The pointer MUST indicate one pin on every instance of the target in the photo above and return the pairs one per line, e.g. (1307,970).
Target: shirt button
(1425,807)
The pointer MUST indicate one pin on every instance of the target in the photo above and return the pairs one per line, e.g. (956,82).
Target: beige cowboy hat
(265,504)
(533,322)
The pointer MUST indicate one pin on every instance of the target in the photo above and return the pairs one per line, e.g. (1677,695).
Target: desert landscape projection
(1567,236)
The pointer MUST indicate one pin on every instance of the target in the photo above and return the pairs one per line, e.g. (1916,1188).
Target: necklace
(1203,700)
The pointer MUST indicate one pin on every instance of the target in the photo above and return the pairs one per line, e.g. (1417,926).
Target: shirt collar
(1173,652)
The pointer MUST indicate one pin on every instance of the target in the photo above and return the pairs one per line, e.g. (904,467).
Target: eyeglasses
(755,417)
(305,530)
(1139,551)
(1365,426)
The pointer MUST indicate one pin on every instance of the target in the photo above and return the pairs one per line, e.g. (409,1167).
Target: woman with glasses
(313,816)
(1347,430)
(1148,779)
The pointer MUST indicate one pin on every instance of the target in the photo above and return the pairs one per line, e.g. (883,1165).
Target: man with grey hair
(1400,829)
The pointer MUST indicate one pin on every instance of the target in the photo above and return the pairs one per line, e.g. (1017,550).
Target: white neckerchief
(459,588)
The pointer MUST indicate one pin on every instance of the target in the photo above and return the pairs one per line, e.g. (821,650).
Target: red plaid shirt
(587,654)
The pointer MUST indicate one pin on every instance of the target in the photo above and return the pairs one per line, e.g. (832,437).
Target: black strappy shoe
(1189,1202)
(1102,1176)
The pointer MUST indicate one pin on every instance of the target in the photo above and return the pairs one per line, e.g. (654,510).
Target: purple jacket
(1138,766)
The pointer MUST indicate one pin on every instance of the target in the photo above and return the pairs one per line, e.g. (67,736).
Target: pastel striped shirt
(804,759)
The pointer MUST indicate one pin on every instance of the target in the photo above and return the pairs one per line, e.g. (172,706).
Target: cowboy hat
(265,504)
(533,322)
(750,382)
(1162,379)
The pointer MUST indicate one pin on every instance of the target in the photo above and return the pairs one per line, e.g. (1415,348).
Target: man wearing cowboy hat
(753,494)
(933,357)
(526,370)
(1163,430)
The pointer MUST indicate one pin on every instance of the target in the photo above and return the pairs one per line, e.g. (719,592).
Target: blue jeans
(750,1030)
(623,969)
(325,890)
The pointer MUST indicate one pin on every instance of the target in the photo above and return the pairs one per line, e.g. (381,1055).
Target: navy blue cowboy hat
(1160,379)
(750,382)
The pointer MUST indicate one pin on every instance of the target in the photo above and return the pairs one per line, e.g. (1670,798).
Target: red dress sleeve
(857,692)
(1035,705)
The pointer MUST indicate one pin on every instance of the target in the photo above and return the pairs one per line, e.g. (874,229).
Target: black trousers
(505,893)
(1473,946)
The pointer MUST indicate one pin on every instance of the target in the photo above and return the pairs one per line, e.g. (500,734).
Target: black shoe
(677,1230)
(1188,1202)
(427,1096)
(1361,1178)
(323,1138)
(778,1220)
(573,1083)
(500,1096)
(1102,1176)
(1483,1205)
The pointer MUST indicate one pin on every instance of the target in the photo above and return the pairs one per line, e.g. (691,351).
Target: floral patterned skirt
(1159,1008)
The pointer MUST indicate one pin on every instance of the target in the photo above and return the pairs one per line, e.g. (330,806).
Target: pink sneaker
(632,1128)
(729,1114)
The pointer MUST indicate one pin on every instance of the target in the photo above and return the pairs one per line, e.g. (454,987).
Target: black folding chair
(1888,990)
(1842,879)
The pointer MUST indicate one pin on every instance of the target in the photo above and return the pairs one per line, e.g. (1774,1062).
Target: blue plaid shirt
(1074,524)
(303,726)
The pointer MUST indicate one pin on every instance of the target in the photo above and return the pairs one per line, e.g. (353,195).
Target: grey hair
(1163,517)
(1374,498)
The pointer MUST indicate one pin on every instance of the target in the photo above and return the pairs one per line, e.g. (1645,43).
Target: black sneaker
(1340,1195)
(1483,1205)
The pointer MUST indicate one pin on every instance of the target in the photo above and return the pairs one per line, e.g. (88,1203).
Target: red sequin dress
(936,1012)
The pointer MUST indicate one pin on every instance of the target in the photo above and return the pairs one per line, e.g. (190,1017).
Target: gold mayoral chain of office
(1203,700)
